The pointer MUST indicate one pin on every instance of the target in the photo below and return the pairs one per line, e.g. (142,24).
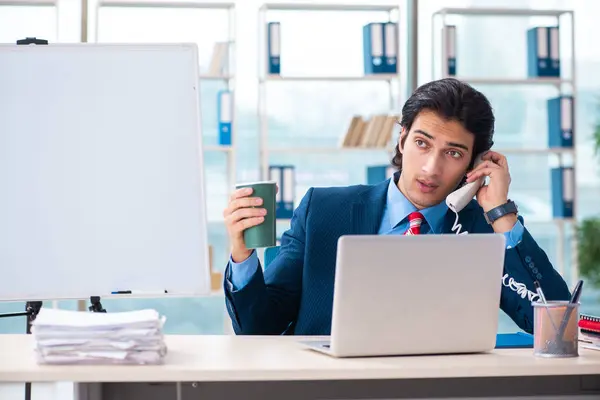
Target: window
(496,47)
(44,20)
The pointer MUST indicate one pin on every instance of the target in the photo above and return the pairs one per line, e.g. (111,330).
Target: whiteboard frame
(206,290)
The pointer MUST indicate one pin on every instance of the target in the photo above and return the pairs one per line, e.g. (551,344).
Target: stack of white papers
(81,337)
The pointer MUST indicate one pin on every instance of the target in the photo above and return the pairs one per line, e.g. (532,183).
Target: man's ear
(401,140)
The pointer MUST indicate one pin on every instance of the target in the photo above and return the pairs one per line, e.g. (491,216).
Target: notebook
(589,324)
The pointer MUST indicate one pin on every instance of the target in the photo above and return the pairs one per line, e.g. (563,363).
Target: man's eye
(454,154)
(420,143)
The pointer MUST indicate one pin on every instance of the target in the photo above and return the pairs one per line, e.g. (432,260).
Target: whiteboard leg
(178,388)
(88,391)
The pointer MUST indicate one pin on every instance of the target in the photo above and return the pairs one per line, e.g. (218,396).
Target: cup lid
(254,183)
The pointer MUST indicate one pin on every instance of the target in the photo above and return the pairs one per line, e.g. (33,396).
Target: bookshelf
(564,85)
(393,80)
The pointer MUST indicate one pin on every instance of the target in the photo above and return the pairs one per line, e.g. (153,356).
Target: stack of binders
(380,48)
(561,135)
(543,52)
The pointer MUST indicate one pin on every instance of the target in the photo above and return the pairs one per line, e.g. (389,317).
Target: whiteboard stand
(32,40)
(32,308)
(96,305)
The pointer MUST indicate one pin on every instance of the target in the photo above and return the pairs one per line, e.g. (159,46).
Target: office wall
(317,113)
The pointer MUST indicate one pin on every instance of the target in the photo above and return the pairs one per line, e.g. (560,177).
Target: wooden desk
(246,367)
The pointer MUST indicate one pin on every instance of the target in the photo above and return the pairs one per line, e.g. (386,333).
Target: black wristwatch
(507,208)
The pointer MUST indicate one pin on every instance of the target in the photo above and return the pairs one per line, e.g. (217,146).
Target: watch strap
(507,208)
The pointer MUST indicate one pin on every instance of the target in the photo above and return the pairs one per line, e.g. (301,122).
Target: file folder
(561,121)
(538,59)
(275,174)
(379,173)
(563,192)
(373,48)
(274,47)
(225,116)
(449,40)
(554,51)
(284,176)
(390,41)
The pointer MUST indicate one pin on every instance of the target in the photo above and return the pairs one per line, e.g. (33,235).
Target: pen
(574,300)
(540,293)
(538,289)
(576,292)
(138,292)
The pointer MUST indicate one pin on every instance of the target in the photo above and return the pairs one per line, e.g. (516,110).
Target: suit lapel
(368,209)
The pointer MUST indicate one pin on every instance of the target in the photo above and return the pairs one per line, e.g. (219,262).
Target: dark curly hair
(453,100)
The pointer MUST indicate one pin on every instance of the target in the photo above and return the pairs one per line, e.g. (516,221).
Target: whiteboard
(101,171)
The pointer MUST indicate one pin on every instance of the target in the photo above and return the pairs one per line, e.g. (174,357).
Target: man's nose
(433,165)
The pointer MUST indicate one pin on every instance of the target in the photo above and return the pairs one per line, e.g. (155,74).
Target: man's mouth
(425,186)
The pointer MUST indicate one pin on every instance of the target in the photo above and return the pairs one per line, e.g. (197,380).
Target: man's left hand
(495,193)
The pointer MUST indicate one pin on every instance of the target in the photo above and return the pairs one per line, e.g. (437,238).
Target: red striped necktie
(414,219)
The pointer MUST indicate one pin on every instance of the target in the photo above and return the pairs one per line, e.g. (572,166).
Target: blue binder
(378,173)
(538,58)
(450,43)
(274,47)
(561,121)
(563,191)
(553,51)
(373,48)
(517,340)
(225,116)
(390,44)
(284,176)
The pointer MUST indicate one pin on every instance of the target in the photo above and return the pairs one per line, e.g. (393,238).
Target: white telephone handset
(458,199)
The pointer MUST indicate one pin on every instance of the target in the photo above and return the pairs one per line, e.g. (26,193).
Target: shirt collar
(399,208)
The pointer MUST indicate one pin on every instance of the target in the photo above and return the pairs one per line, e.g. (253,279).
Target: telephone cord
(508,281)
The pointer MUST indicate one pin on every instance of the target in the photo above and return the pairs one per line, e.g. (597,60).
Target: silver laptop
(408,295)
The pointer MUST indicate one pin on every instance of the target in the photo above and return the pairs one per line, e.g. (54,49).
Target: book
(589,323)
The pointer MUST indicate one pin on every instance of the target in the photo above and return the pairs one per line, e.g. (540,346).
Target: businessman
(444,125)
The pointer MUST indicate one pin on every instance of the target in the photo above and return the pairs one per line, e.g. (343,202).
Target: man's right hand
(242,213)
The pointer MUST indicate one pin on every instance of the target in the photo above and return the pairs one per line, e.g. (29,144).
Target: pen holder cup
(555,329)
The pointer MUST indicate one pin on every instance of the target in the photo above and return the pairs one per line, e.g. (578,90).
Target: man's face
(435,158)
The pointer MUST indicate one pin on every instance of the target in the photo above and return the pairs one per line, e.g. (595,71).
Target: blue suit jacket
(294,295)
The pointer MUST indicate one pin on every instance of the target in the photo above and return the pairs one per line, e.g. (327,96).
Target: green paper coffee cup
(264,234)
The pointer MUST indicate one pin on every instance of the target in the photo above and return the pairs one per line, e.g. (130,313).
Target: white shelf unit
(265,78)
(29,3)
(564,85)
